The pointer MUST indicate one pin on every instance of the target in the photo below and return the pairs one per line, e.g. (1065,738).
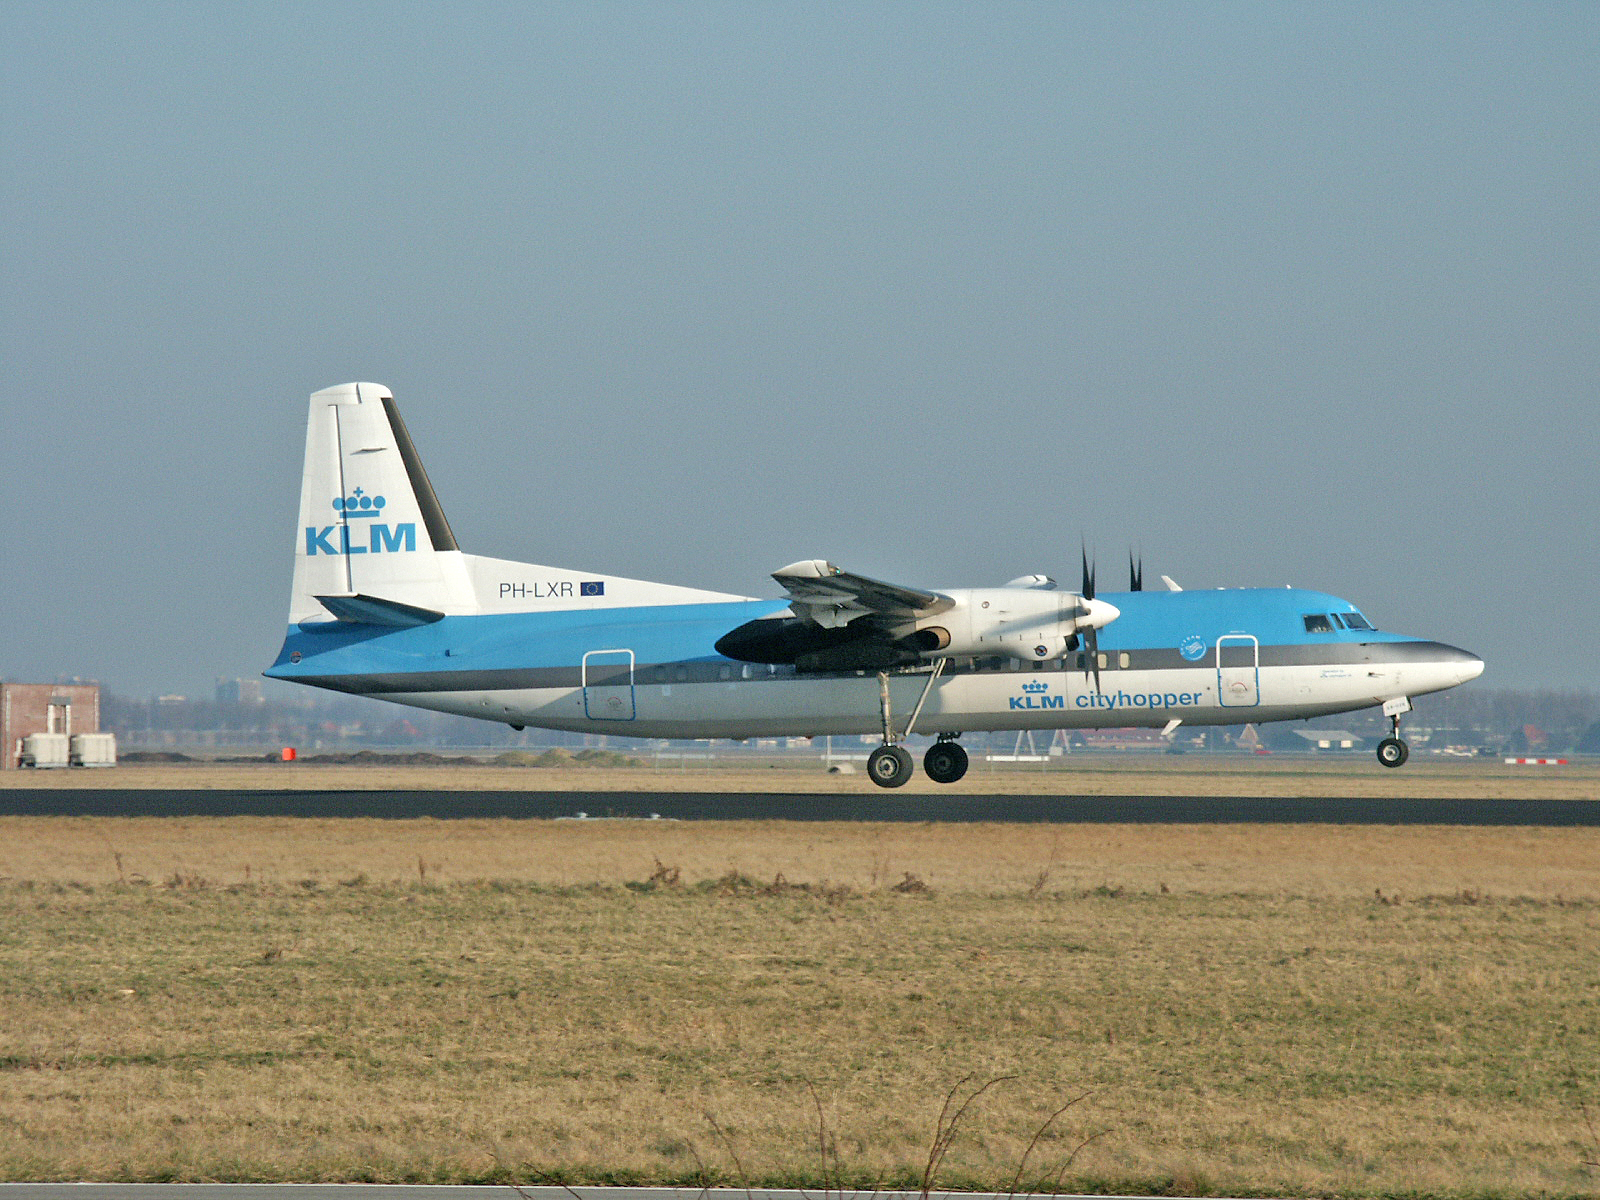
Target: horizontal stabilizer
(371,610)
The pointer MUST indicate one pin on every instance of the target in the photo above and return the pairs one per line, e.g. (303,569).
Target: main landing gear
(945,761)
(890,764)
(1393,751)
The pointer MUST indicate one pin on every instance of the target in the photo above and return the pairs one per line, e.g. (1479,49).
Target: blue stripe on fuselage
(688,632)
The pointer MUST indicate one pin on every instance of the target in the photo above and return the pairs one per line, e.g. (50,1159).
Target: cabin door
(608,685)
(1238,670)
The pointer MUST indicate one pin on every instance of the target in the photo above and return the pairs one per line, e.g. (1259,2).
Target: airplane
(385,604)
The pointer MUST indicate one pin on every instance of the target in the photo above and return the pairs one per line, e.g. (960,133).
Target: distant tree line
(1546,719)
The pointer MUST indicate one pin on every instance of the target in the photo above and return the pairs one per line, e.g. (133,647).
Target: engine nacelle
(1032,625)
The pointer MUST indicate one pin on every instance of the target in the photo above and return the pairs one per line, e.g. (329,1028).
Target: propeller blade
(1089,634)
(1135,573)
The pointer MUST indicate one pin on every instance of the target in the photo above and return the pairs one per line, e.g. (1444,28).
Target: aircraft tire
(889,766)
(945,762)
(1392,752)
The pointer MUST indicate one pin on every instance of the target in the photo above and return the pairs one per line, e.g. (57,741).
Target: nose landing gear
(1393,751)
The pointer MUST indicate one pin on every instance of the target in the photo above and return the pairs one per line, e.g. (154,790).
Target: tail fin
(373,542)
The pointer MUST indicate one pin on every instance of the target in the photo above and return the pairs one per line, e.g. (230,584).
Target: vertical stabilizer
(370,524)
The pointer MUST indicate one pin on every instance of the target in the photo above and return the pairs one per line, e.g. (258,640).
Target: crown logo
(1036,687)
(359,504)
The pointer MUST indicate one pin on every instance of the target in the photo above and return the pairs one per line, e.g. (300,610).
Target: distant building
(29,708)
(238,691)
(1332,739)
(1123,739)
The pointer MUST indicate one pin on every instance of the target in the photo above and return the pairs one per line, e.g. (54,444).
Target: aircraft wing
(820,592)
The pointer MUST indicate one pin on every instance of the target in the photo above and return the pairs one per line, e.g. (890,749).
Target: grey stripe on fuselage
(723,670)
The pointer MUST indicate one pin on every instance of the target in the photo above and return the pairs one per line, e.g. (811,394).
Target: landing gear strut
(1393,751)
(890,764)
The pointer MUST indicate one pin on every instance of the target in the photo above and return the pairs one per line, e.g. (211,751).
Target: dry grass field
(1296,1010)
(1356,775)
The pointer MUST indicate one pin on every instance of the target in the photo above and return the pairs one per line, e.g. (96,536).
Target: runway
(784,806)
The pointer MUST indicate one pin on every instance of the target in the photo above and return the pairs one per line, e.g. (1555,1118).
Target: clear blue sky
(1279,293)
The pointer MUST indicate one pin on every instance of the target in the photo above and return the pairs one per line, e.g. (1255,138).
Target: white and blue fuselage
(386,605)
(1201,657)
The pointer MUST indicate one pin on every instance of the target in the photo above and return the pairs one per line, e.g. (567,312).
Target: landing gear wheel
(945,762)
(1392,752)
(889,766)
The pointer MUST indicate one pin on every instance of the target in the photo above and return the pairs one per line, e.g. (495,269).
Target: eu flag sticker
(592,587)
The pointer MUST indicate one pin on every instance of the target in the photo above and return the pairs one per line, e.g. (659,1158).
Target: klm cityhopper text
(1140,700)
(1037,697)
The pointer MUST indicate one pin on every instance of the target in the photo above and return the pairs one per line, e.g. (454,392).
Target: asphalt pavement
(798,806)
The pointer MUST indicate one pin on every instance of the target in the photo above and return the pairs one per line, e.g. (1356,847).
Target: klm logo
(380,539)
(359,505)
(1036,697)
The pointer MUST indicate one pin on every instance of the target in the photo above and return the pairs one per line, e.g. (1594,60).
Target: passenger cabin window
(1123,659)
(1318,623)
(1354,620)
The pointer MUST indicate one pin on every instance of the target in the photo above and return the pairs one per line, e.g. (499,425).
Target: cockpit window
(1354,620)
(1318,623)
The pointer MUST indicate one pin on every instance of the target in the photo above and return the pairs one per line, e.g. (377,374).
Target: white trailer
(44,750)
(93,750)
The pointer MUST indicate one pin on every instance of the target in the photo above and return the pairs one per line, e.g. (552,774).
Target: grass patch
(1302,1012)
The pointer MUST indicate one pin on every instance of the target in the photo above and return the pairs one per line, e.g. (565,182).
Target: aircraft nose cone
(1467,665)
